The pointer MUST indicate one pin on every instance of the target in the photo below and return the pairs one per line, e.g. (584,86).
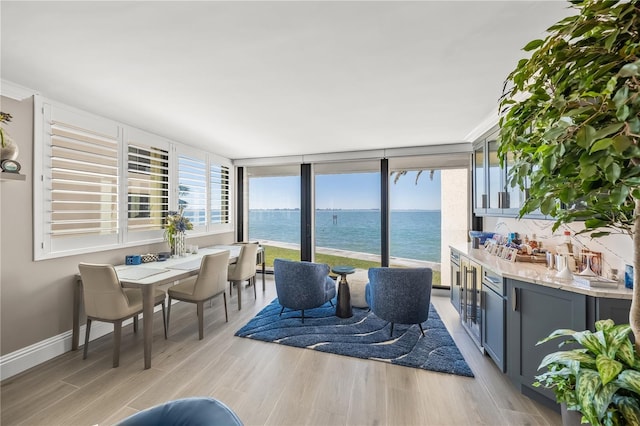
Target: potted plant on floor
(600,379)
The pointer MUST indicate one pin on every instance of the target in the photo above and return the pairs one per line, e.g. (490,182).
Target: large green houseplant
(570,118)
(600,378)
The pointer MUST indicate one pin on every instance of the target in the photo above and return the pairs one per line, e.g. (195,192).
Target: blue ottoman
(185,412)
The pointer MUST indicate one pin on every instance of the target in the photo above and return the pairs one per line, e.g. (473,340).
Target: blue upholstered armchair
(400,295)
(302,285)
(194,411)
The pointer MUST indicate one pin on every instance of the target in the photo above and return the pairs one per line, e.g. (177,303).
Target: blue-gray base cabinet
(493,323)
(533,312)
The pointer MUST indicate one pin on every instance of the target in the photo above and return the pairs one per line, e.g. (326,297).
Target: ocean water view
(415,234)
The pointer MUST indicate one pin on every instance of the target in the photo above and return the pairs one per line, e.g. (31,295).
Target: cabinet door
(479,180)
(471,273)
(493,322)
(533,312)
(600,308)
(495,183)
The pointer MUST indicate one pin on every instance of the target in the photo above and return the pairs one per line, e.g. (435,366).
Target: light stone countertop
(537,273)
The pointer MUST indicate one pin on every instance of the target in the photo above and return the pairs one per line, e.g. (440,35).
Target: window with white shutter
(101,185)
(192,190)
(79,187)
(147,184)
(219,187)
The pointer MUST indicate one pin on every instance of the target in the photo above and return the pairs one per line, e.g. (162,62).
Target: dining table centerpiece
(175,231)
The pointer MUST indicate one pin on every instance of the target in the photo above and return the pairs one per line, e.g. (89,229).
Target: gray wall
(36,297)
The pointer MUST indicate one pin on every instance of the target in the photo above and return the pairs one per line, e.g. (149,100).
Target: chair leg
(86,339)
(391,333)
(253,281)
(331,301)
(164,320)
(303,316)
(421,330)
(117,337)
(135,323)
(168,314)
(281,311)
(230,289)
(226,315)
(200,320)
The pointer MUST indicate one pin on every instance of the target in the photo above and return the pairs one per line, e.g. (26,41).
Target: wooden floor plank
(264,383)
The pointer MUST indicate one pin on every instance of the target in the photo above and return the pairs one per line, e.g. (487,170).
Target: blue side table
(343,308)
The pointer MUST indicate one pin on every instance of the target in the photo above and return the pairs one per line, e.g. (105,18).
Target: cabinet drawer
(494,282)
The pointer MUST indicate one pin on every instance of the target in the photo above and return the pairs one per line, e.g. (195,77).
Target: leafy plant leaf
(585,136)
(608,368)
(601,144)
(629,408)
(568,357)
(621,143)
(628,70)
(608,130)
(587,384)
(612,172)
(534,44)
(630,380)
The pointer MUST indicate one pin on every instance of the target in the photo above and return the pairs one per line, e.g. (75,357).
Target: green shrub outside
(273,252)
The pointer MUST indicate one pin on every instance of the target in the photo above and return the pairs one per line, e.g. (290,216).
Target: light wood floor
(264,383)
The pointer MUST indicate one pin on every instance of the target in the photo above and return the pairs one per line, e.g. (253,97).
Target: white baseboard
(30,356)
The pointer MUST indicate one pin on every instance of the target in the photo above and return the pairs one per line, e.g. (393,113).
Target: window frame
(44,248)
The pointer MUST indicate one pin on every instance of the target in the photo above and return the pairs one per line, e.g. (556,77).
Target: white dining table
(147,276)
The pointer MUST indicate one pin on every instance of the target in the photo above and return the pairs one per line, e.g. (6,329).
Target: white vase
(10,149)
(179,247)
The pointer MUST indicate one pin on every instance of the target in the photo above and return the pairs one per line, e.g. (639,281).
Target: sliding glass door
(347,213)
(274,210)
(429,200)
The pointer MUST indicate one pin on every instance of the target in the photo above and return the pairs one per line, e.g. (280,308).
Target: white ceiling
(260,79)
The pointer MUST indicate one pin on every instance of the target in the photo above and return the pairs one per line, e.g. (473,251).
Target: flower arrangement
(176,223)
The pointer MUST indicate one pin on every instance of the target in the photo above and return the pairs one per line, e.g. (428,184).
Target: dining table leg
(147,312)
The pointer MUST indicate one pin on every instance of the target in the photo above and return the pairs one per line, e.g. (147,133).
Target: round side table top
(343,269)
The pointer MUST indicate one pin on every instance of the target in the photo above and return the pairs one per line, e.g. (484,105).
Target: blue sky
(347,191)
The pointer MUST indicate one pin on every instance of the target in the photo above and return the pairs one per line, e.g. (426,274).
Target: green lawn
(273,252)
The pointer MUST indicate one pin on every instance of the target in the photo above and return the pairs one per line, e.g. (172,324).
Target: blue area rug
(363,336)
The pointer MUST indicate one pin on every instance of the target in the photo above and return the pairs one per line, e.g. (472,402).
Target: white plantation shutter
(79,186)
(84,182)
(220,194)
(192,189)
(147,188)
(101,185)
